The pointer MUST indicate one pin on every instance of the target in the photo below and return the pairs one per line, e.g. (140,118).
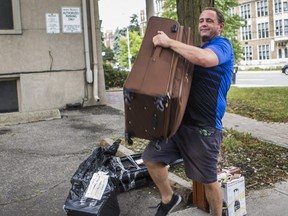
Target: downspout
(89,75)
(94,26)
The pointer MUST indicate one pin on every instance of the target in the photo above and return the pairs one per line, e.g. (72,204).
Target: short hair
(220,16)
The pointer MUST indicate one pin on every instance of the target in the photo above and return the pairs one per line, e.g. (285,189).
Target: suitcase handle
(156,53)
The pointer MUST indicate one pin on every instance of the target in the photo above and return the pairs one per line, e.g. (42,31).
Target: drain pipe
(89,75)
(96,67)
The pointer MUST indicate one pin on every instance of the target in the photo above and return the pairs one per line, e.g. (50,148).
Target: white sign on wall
(52,23)
(71,20)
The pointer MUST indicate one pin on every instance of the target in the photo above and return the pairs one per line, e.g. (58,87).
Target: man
(199,136)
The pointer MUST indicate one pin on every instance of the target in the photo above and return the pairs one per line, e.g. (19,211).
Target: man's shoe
(165,209)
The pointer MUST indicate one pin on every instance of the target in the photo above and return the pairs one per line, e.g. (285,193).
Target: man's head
(211,23)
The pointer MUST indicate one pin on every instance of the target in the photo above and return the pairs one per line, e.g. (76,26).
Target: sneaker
(165,209)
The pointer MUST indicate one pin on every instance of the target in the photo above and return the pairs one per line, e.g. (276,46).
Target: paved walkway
(276,133)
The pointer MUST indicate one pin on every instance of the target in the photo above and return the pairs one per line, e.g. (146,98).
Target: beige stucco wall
(48,90)
(49,68)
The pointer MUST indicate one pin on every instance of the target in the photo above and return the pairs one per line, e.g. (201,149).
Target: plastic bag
(100,168)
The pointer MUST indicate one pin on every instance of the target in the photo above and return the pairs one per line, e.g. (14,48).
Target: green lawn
(263,104)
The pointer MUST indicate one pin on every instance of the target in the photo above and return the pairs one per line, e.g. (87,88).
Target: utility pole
(149,9)
(129,53)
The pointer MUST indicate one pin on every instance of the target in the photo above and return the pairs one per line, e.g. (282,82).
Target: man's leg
(159,174)
(214,197)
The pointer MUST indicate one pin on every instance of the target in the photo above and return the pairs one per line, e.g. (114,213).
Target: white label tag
(97,185)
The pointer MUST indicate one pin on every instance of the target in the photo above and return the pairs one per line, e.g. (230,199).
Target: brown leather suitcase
(157,88)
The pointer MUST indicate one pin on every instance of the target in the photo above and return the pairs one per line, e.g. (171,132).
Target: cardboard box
(234,197)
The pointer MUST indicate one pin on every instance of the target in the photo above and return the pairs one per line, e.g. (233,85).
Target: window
(278,6)
(247,53)
(231,11)
(280,53)
(286,27)
(246,32)
(263,30)
(262,8)
(285,6)
(245,11)
(283,52)
(263,52)
(10,22)
(278,28)
(8,96)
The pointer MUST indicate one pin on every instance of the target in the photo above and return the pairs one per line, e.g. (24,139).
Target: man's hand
(161,39)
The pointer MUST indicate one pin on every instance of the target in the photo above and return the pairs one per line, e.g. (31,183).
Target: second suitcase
(156,90)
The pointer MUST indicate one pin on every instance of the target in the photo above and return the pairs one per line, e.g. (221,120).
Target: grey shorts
(199,148)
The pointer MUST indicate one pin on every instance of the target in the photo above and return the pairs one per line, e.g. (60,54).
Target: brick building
(264,39)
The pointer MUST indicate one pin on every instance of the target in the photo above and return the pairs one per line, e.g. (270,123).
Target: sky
(116,13)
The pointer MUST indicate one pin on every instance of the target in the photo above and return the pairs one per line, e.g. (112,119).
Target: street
(261,79)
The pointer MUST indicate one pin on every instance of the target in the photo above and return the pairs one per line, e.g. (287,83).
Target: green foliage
(114,78)
(169,9)
(120,45)
(109,55)
(263,104)
(232,25)
(134,24)
(135,43)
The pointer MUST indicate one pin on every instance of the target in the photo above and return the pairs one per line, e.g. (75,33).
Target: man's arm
(202,57)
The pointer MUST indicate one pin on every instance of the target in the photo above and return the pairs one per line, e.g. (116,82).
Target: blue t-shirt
(207,99)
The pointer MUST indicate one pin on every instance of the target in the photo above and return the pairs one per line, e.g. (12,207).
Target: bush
(114,78)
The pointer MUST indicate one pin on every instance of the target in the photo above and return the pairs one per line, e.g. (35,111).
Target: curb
(26,117)
(181,186)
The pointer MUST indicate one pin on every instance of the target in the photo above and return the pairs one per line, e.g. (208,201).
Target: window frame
(16,19)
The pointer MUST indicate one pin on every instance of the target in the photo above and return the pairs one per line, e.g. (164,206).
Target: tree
(109,55)
(135,43)
(169,8)
(134,23)
(233,22)
(187,14)
(120,45)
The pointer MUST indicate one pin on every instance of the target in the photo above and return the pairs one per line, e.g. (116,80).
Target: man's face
(209,27)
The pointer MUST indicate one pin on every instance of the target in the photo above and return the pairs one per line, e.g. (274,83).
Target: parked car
(285,69)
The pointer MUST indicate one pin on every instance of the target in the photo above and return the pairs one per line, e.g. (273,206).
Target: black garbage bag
(94,185)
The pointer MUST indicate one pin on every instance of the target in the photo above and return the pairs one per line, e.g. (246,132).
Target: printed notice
(52,23)
(71,20)
(97,185)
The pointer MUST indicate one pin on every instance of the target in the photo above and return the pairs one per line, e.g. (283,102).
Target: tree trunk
(188,12)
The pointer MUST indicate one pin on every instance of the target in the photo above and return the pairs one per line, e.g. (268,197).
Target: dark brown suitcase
(157,88)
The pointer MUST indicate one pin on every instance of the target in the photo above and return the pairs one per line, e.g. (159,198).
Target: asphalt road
(261,79)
